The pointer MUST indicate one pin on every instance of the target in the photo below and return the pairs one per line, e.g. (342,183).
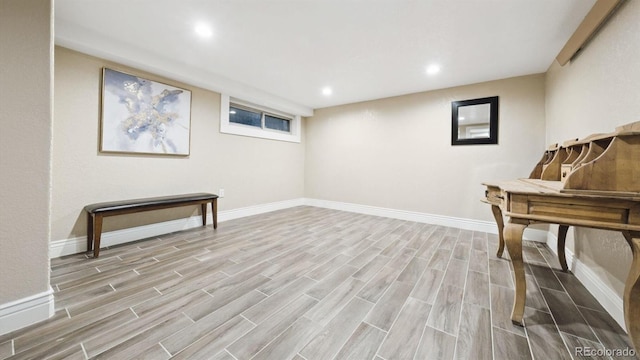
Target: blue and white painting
(144,116)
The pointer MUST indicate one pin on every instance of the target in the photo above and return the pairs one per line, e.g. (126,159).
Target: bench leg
(89,231)
(204,213)
(214,210)
(97,232)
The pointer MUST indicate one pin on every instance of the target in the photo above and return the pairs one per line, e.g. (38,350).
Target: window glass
(246,117)
(276,123)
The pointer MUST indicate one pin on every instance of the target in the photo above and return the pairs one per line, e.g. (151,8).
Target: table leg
(632,291)
(513,238)
(204,213)
(497,214)
(562,236)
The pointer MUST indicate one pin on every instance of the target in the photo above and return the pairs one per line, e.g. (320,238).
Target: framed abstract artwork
(143,116)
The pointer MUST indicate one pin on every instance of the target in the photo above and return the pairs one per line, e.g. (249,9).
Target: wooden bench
(96,212)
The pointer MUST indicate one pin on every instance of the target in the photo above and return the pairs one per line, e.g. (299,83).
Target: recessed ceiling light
(326,91)
(433,69)
(203,30)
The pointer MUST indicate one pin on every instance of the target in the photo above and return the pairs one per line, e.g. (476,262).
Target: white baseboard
(259,209)
(460,223)
(609,299)
(77,245)
(24,312)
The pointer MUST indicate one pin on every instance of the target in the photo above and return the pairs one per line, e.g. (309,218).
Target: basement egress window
(241,118)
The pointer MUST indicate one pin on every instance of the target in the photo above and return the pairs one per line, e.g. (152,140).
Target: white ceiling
(281,53)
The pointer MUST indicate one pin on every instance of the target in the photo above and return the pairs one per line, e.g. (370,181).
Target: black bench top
(145,202)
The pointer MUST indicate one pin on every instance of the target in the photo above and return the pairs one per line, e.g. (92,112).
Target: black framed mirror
(474,121)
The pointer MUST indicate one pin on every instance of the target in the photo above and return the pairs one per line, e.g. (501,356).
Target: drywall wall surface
(396,152)
(252,171)
(25,147)
(594,93)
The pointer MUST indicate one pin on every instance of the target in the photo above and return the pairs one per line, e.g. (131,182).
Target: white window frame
(228,127)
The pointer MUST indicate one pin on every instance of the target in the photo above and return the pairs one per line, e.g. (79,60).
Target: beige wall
(396,153)
(597,91)
(25,117)
(252,171)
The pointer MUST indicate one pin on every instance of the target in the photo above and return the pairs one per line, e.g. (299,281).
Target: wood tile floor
(311,283)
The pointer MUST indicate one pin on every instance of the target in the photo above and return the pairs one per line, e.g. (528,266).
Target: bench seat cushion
(147,202)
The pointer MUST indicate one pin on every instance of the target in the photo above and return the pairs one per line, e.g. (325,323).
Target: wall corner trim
(26,311)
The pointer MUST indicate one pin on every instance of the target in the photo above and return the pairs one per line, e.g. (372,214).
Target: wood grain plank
(327,268)
(445,314)
(508,345)
(330,282)
(436,345)
(256,339)
(581,348)
(474,338)
(331,305)
(427,287)
(545,340)
(362,344)
(610,334)
(440,259)
(377,286)
(479,261)
(387,308)
(501,305)
(369,270)
(500,273)
(456,273)
(141,342)
(223,297)
(477,290)
(327,343)
(566,315)
(280,299)
(216,340)
(578,293)
(413,271)
(192,332)
(287,344)
(546,277)
(405,334)
(66,336)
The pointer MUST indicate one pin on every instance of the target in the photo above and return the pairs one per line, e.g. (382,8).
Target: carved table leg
(497,214)
(562,236)
(513,238)
(632,291)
